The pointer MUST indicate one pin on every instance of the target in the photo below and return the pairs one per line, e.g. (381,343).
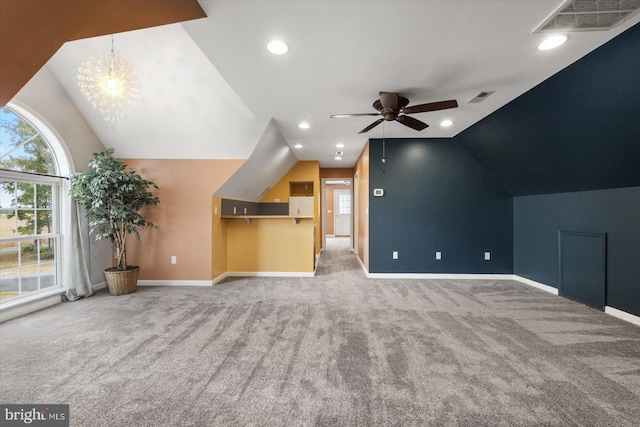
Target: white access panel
(300,206)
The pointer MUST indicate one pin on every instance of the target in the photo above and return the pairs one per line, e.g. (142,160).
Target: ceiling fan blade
(431,106)
(389,100)
(340,116)
(371,126)
(411,122)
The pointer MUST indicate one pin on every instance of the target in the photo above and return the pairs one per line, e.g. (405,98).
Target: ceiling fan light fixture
(278,47)
(553,42)
(446,123)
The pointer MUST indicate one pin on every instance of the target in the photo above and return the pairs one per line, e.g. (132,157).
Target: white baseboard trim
(269,274)
(362,265)
(29,307)
(99,286)
(175,283)
(261,274)
(535,284)
(620,314)
(440,276)
(219,279)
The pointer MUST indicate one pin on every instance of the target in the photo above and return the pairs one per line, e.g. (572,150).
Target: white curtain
(77,259)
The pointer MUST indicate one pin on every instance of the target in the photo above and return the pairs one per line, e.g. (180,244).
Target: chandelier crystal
(110,84)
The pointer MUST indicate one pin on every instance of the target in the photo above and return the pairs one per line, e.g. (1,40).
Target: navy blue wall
(616,212)
(578,130)
(437,198)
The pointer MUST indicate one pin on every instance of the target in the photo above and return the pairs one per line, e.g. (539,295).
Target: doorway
(337,209)
(342,211)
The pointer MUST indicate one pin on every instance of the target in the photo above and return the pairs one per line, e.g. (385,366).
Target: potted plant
(113,196)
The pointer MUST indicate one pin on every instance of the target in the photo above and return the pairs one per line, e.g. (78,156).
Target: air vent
(481,96)
(589,15)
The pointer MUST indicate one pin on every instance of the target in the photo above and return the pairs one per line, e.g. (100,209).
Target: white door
(342,209)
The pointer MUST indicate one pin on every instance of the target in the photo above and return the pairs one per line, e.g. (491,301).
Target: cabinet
(300,206)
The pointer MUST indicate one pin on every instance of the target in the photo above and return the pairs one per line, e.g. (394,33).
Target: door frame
(323,202)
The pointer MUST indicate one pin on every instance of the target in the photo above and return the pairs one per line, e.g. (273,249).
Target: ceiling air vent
(589,15)
(481,96)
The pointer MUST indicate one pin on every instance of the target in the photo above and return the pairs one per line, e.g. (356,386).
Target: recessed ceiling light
(304,125)
(553,42)
(446,123)
(278,47)
(340,145)
(338,158)
(298,146)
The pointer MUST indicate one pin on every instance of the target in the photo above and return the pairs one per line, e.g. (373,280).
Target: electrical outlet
(215,210)
(395,254)
(487,256)
(234,210)
(174,259)
(438,255)
(245,211)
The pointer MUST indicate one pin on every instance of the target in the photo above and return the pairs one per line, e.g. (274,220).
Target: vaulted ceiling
(578,130)
(210,86)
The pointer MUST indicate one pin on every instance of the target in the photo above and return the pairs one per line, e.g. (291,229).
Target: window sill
(31,297)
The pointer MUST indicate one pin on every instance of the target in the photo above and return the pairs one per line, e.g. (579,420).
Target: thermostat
(378,192)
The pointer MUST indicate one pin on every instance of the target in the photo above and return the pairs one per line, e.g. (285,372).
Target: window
(344,204)
(29,206)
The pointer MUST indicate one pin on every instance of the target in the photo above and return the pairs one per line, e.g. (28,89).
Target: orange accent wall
(184,217)
(362,169)
(336,173)
(301,171)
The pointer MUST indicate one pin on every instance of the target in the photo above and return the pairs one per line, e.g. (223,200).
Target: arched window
(30,194)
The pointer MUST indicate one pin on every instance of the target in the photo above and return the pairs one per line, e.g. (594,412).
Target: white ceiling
(210,85)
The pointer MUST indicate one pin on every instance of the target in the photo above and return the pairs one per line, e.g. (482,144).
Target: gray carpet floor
(334,350)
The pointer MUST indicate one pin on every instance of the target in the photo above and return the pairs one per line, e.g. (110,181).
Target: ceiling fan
(391,106)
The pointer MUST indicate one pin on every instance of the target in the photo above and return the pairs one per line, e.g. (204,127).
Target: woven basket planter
(121,282)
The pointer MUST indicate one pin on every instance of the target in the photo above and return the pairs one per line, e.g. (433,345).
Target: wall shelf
(248,218)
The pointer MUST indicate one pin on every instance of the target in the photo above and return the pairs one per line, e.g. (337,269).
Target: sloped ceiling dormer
(578,130)
(271,160)
(32,31)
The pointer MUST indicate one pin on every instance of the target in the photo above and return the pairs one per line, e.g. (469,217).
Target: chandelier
(110,84)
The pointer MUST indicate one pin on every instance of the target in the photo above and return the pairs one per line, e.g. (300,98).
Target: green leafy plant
(114,196)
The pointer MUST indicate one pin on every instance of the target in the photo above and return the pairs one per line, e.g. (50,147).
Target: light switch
(487,256)
(438,255)
(395,254)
